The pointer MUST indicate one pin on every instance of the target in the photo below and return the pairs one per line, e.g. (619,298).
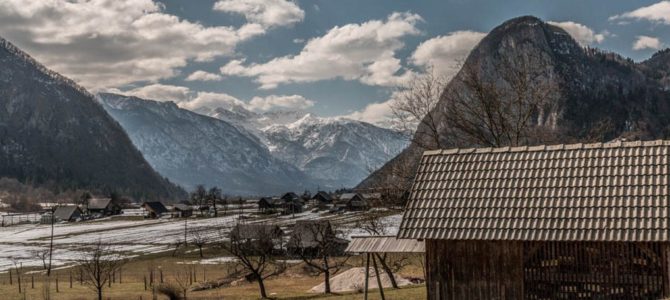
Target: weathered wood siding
(546,270)
(486,270)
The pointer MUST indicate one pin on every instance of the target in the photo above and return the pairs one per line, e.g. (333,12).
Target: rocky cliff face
(54,134)
(599,96)
(192,149)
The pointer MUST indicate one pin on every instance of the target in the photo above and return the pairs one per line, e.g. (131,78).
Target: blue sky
(330,57)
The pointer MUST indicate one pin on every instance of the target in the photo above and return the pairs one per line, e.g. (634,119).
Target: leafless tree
(98,265)
(182,278)
(316,243)
(199,239)
(170,291)
(373,224)
(414,109)
(254,255)
(507,104)
(43,255)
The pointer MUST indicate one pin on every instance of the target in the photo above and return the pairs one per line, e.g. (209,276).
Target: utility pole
(51,242)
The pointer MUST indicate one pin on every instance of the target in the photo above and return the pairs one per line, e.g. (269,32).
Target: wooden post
(32,281)
(70,279)
(18,279)
(379,279)
(161,271)
(367,274)
(57,291)
(11,281)
(145,282)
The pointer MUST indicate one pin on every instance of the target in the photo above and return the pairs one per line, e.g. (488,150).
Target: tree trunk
(99,293)
(326,275)
(261,286)
(200,248)
(382,261)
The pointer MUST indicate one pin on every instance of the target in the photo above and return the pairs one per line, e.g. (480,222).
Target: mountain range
(598,96)
(250,153)
(54,134)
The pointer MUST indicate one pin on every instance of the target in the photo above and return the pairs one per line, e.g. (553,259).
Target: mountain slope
(333,152)
(600,96)
(53,133)
(192,149)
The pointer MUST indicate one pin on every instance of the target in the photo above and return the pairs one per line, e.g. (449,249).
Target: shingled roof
(581,192)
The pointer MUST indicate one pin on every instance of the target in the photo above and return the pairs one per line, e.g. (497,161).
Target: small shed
(309,235)
(322,199)
(580,221)
(154,209)
(292,207)
(290,196)
(103,207)
(256,231)
(353,201)
(182,210)
(67,213)
(267,204)
(374,246)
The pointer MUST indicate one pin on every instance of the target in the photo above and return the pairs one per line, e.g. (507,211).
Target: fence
(15,219)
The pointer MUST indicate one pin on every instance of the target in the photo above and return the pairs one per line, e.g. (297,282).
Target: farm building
(311,236)
(322,198)
(267,204)
(67,213)
(294,206)
(103,207)
(154,209)
(546,222)
(182,211)
(353,201)
(290,196)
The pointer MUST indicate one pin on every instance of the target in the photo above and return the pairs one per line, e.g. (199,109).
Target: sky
(329,57)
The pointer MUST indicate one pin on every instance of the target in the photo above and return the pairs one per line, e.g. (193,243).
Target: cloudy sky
(330,57)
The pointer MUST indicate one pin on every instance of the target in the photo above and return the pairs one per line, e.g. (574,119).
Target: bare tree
(214,196)
(199,239)
(183,280)
(254,255)
(317,244)
(507,104)
(98,265)
(414,109)
(43,255)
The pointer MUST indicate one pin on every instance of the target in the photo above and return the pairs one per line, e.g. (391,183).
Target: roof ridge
(555,147)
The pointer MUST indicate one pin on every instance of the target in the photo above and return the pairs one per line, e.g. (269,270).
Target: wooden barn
(582,221)
(103,207)
(154,209)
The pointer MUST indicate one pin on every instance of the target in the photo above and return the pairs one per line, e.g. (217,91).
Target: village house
(102,207)
(269,204)
(182,211)
(290,196)
(154,209)
(294,206)
(353,202)
(258,232)
(582,221)
(309,235)
(68,213)
(322,199)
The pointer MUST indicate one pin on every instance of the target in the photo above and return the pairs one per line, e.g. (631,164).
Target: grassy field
(293,284)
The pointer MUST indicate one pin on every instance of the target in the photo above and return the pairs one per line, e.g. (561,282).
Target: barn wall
(546,270)
(486,270)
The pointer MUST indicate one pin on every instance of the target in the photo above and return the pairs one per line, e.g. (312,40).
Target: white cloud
(446,53)
(581,33)
(191,100)
(161,92)
(657,13)
(203,76)
(268,13)
(274,102)
(104,43)
(647,42)
(378,113)
(211,100)
(363,52)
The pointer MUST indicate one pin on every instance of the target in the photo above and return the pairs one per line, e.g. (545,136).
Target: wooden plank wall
(546,270)
(474,270)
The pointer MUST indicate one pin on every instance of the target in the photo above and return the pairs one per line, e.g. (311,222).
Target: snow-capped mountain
(190,148)
(334,152)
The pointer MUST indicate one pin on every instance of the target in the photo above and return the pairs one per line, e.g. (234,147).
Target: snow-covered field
(19,244)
